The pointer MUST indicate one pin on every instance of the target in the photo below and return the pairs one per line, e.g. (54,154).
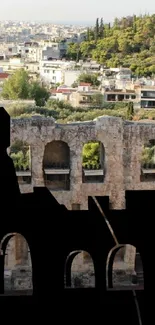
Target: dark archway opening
(17,265)
(79,270)
(56,166)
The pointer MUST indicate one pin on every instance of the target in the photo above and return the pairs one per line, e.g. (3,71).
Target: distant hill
(129,42)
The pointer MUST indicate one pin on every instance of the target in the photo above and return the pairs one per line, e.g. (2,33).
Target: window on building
(56,165)
(20,152)
(93,162)
(148,161)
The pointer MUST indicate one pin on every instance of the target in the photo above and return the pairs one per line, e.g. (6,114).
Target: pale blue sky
(72,10)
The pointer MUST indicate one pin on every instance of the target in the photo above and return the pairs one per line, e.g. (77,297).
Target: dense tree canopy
(91,78)
(19,86)
(130,42)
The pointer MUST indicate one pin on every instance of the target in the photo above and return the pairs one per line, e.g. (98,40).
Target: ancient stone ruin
(55,161)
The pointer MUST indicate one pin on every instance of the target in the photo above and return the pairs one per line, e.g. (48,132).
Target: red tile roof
(3,75)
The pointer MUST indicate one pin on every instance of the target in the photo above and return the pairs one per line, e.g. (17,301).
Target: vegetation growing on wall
(20,154)
(91,155)
(148,156)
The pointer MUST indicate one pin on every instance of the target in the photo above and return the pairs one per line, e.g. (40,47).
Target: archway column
(37,154)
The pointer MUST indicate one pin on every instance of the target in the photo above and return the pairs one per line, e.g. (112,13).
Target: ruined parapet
(122,142)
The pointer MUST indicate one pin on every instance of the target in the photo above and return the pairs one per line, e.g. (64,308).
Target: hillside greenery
(129,42)
(63,112)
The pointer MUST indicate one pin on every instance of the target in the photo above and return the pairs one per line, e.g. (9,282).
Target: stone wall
(122,141)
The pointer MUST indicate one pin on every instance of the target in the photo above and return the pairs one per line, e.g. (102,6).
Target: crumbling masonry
(122,143)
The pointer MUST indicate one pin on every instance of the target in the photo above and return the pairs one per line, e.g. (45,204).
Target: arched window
(79,270)
(93,162)
(17,264)
(56,166)
(21,155)
(148,162)
(124,268)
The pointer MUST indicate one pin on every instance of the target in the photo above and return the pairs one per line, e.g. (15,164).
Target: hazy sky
(72,10)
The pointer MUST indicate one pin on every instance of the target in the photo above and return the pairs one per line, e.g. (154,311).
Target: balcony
(24,176)
(148,169)
(57,177)
(93,172)
(93,175)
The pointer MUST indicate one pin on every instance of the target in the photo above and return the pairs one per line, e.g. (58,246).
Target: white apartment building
(31,53)
(70,76)
(52,71)
(12,64)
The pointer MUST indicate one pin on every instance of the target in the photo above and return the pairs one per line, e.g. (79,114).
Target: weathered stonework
(122,142)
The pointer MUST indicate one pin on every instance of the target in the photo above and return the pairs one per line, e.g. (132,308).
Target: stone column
(129,257)
(76,173)
(21,250)
(37,154)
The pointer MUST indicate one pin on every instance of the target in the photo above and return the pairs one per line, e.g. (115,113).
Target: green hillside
(130,43)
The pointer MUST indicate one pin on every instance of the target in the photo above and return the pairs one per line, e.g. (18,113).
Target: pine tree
(130,111)
(97,29)
(101,29)
(88,35)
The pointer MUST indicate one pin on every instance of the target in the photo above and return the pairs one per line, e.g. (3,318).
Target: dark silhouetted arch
(68,266)
(137,277)
(82,270)
(17,269)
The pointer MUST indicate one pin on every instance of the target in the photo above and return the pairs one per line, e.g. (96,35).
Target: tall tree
(39,94)
(97,29)
(101,29)
(88,34)
(17,86)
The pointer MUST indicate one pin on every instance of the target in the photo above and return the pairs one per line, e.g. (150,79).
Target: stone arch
(56,165)
(147,161)
(17,264)
(20,152)
(93,162)
(79,270)
(124,267)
